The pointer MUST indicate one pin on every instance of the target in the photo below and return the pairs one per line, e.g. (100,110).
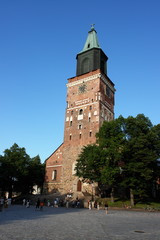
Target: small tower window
(108,92)
(70,137)
(90,134)
(80,135)
(90,107)
(89,119)
(88,45)
(80,127)
(70,123)
(80,111)
(54,175)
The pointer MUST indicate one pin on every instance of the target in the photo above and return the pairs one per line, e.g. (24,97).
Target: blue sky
(39,40)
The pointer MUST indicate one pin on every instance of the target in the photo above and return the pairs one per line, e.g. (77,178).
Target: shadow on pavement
(19,212)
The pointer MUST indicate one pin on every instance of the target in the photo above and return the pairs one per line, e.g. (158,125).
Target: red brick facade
(88,105)
(90,101)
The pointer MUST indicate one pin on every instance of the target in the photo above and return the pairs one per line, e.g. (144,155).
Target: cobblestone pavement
(21,223)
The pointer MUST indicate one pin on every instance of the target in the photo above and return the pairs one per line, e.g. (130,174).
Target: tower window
(70,137)
(54,175)
(80,111)
(90,134)
(70,123)
(88,45)
(90,107)
(108,91)
(80,135)
(80,127)
(89,119)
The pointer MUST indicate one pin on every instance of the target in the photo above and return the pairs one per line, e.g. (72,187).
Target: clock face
(82,88)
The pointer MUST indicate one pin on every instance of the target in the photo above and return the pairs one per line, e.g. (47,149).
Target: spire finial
(92,26)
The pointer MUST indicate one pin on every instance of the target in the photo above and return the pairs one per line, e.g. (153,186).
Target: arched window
(54,175)
(80,111)
(79,126)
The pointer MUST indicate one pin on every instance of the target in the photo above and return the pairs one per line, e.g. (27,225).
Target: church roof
(92,40)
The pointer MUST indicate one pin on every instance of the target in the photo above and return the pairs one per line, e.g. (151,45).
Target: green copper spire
(91,57)
(92,40)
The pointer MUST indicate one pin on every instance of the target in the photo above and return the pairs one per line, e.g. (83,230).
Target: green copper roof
(92,40)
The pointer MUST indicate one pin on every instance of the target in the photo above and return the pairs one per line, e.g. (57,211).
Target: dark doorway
(79,186)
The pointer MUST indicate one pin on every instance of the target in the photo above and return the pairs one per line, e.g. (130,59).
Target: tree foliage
(126,150)
(90,163)
(19,172)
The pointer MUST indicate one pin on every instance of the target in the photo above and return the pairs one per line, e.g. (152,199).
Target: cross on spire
(92,26)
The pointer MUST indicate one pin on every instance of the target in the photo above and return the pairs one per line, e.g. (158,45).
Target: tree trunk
(112,195)
(131,197)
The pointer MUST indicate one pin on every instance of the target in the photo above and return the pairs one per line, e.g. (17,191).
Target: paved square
(21,223)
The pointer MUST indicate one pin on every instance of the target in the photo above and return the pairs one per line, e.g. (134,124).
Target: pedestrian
(55,203)
(6,203)
(90,205)
(41,205)
(1,204)
(95,204)
(37,203)
(48,203)
(24,202)
(2,201)
(106,207)
(67,204)
(98,206)
(28,204)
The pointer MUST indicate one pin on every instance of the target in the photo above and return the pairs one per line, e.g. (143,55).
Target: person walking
(106,207)
(24,202)
(41,205)
(37,204)
(28,204)
(90,205)
(67,204)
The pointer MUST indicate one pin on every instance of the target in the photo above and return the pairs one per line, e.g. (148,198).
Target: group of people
(94,204)
(26,202)
(67,203)
(58,203)
(39,204)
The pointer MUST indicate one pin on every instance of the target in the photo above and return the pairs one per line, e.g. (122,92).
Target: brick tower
(90,101)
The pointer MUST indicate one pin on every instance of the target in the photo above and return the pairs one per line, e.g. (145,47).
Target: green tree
(139,156)
(36,173)
(15,163)
(111,140)
(19,172)
(90,163)
(127,150)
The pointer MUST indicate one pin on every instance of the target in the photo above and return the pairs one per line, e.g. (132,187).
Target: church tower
(90,101)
